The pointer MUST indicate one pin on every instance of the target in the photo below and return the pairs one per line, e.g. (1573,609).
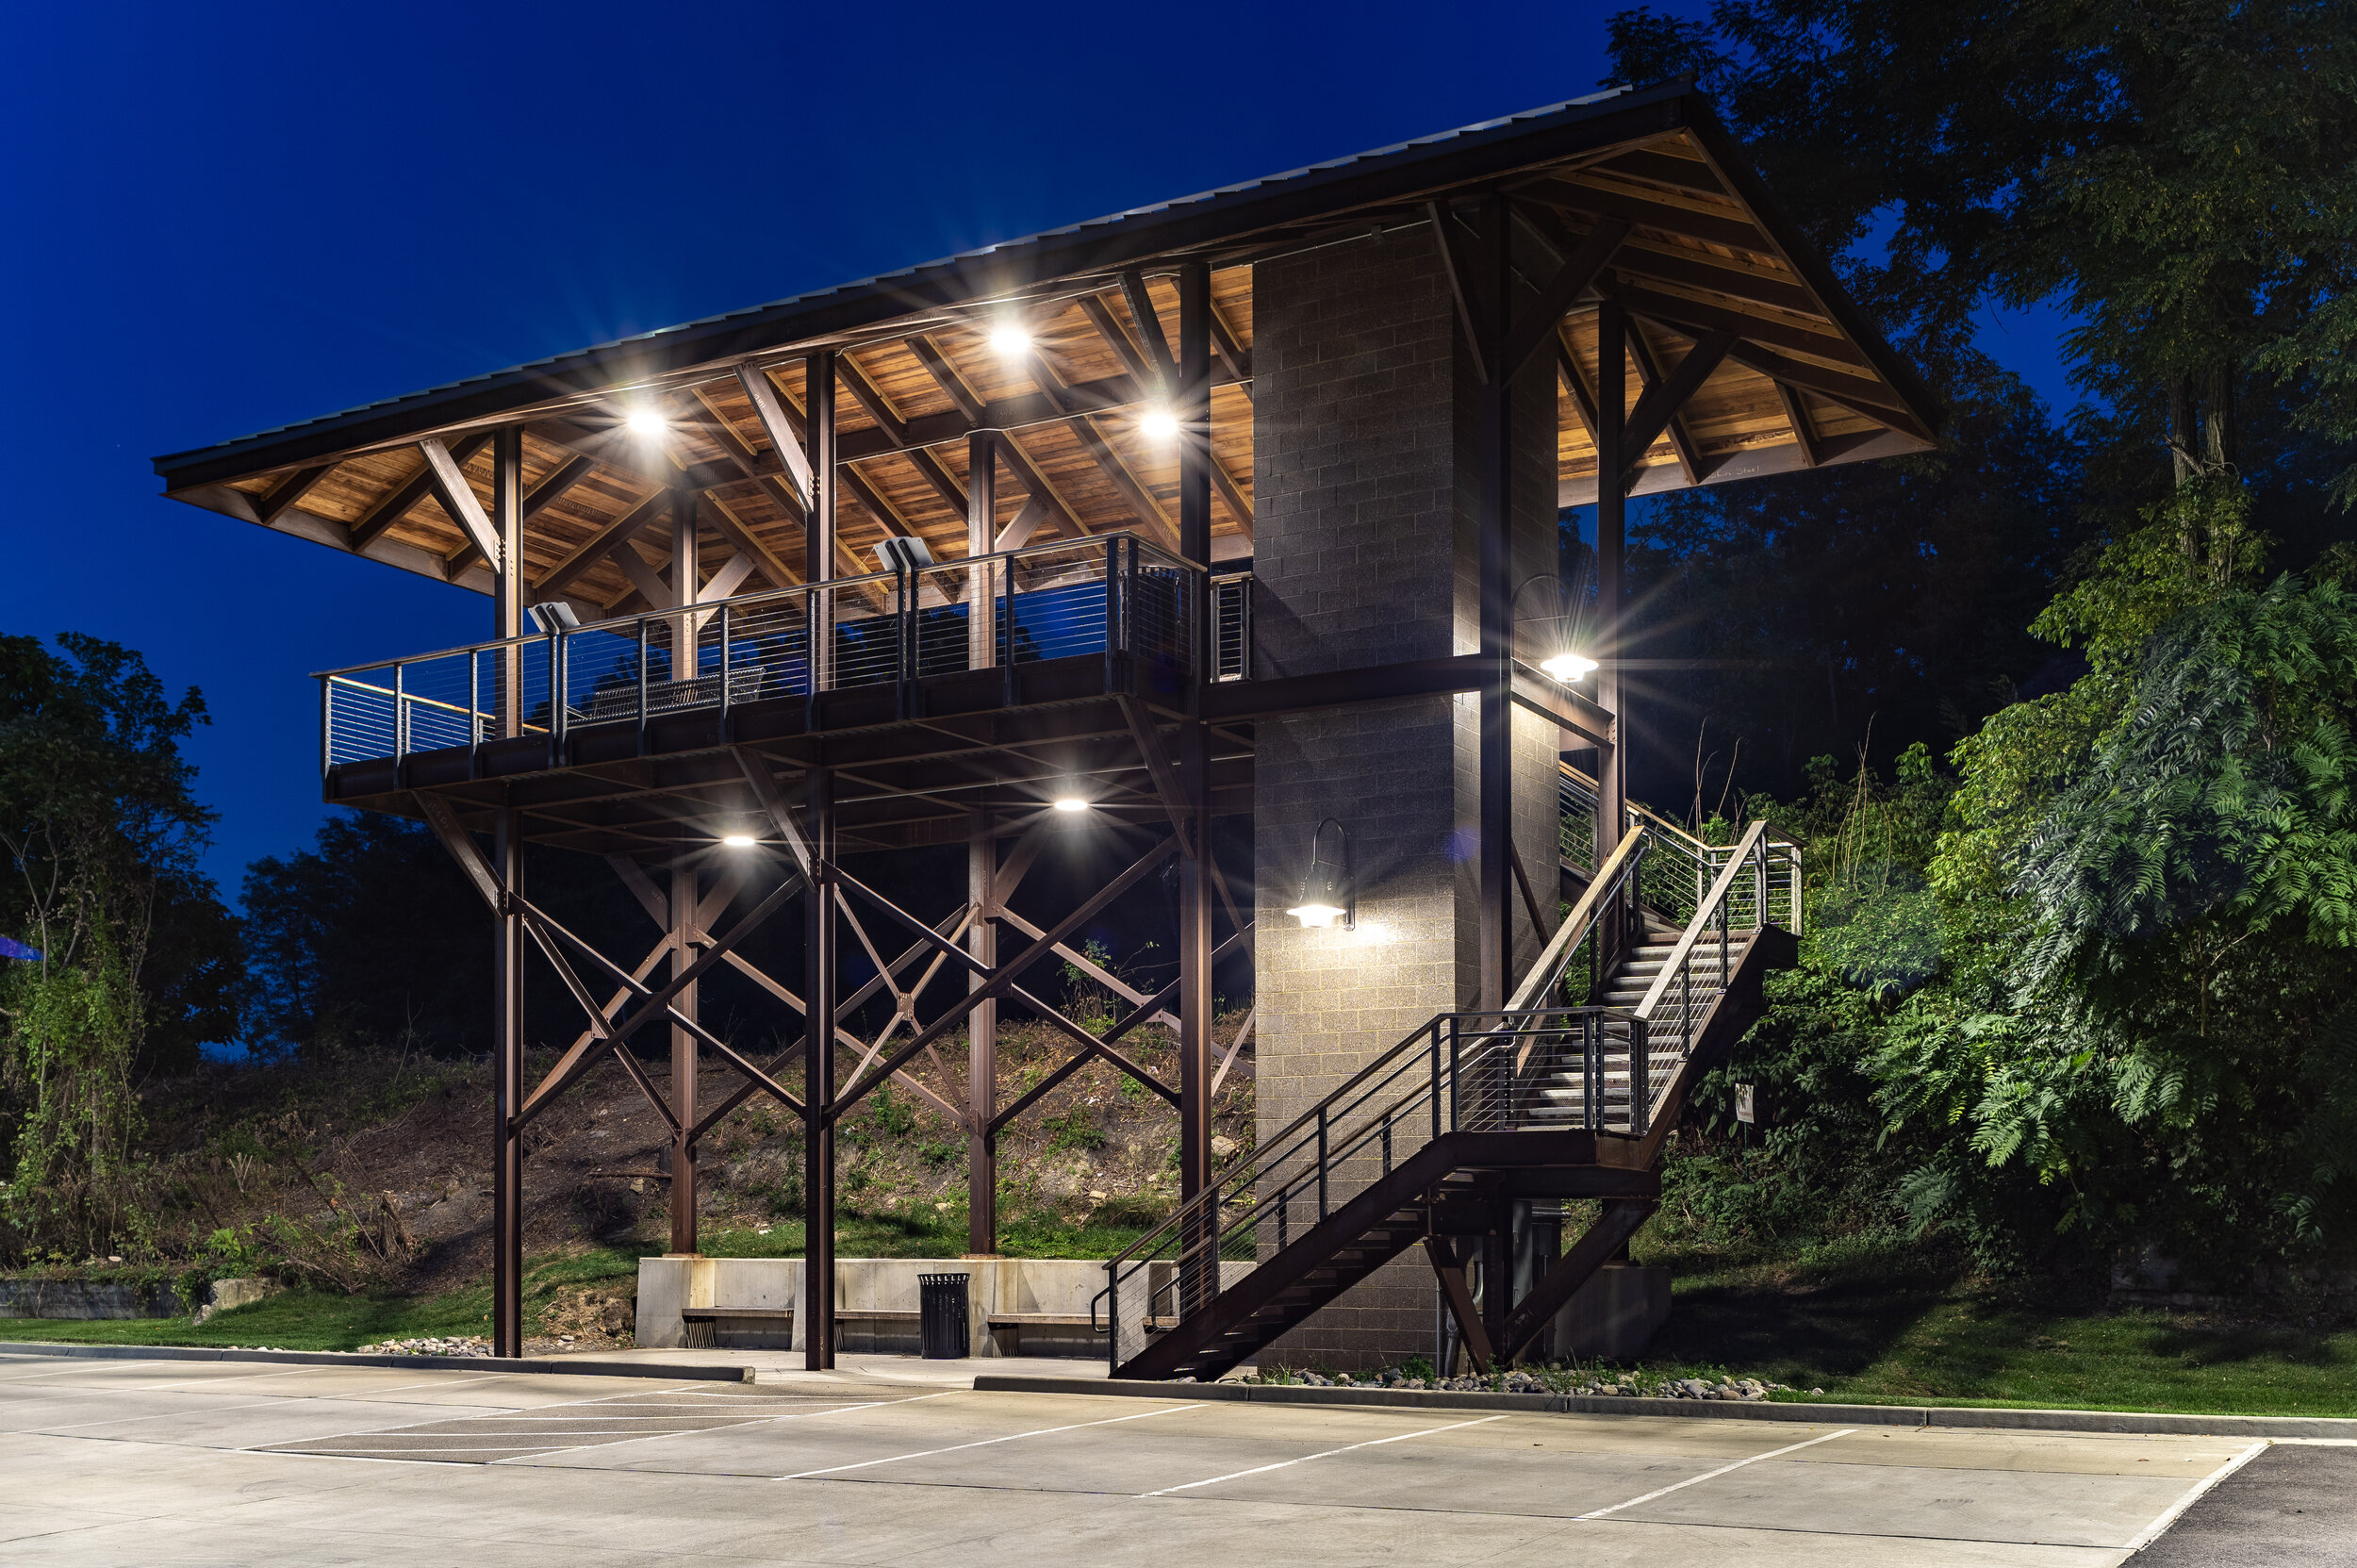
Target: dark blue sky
(224,218)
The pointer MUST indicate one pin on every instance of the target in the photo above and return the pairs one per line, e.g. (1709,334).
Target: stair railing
(1681,858)
(1698,967)
(1458,1072)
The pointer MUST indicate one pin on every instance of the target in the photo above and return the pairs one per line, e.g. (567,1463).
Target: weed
(1074,1132)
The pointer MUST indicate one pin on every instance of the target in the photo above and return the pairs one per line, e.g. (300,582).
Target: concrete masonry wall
(1365,552)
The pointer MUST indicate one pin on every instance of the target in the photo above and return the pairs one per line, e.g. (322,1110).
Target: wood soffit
(1796,378)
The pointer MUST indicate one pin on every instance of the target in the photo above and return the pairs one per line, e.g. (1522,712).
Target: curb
(2146,1423)
(348,1358)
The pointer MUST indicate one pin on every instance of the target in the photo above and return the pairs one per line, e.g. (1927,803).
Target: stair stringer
(1409,1186)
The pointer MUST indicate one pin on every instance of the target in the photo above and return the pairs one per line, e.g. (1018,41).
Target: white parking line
(1711,1475)
(1011,1437)
(2151,1532)
(1372,1443)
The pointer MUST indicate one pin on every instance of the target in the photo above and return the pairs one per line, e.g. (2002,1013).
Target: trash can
(942,1300)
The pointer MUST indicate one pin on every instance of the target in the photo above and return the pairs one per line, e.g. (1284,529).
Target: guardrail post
(1456,1077)
(1113,1319)
(328,726)
(1436,1078)
(726,682)
(1592,1067)
(1639,1077)
(556,699)
(1321,1161)
(642,685)
(1112,606)
(401,729)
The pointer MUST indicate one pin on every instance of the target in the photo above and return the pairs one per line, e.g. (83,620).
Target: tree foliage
(137,961)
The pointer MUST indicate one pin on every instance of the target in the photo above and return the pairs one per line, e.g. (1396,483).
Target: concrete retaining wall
(84,1299)
(1058,1287)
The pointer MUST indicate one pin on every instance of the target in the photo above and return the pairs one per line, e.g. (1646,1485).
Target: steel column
(1612,554)
(1192,400)
(982,1035)
(507,517)
(818,524)
(1494,463)
(685,579)
(683,1044)
(507,1094)
(819,998)
(981,538)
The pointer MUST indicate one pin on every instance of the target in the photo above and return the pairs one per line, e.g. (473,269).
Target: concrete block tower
(1367,548)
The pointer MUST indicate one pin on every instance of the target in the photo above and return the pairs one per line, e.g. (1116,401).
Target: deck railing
(1114,596)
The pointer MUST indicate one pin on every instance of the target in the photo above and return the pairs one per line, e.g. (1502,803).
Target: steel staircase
(1569,1092)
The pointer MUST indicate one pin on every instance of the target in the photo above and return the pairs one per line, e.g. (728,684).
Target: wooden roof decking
(1798,378)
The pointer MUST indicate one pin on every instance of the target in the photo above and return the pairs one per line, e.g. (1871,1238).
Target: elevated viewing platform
(1231,519)
(954,677)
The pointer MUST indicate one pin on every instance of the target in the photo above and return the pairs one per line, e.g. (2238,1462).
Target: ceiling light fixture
(1161,424)
(1010,340)
(739,840)
(1568,668)
(1071,802)
(647,423)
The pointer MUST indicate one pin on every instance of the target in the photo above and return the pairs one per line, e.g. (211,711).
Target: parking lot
(171,1463)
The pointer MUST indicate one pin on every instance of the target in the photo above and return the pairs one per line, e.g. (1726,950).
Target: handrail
(879,579)
(1604,885)
(1746,846)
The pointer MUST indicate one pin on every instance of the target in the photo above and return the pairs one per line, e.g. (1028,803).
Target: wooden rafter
(1018,462)
(377,518)
(1649,372)
(732,528)
(1574,383)
(600,545)
(782,425)
(280,498)
(1658,408)
(451,488)
(1149,511)
(1149,324)
(1804,432)
(945,376)
(538,499)
(1225,482)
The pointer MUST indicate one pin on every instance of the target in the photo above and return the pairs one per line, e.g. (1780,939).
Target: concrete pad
(665,1471)
(1944,1504)
(2082,1454)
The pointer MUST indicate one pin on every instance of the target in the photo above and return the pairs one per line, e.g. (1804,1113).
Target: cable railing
(1113,595)
(1499,1071)
(1682,868)
(1232,626)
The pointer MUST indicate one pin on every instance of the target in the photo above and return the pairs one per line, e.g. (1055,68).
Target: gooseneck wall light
(1327,896)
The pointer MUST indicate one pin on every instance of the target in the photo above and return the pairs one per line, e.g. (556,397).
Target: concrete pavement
(166,1463)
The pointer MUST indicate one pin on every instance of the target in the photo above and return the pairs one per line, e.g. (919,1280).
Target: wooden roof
(1705,259)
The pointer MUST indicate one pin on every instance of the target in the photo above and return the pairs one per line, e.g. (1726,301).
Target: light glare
(1071,802)
(1568,668)
(1319,915)
(646,421)
(739,841)
(1161,424)
(1010,340)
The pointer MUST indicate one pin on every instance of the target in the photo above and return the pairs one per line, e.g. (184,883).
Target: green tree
(102,833)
